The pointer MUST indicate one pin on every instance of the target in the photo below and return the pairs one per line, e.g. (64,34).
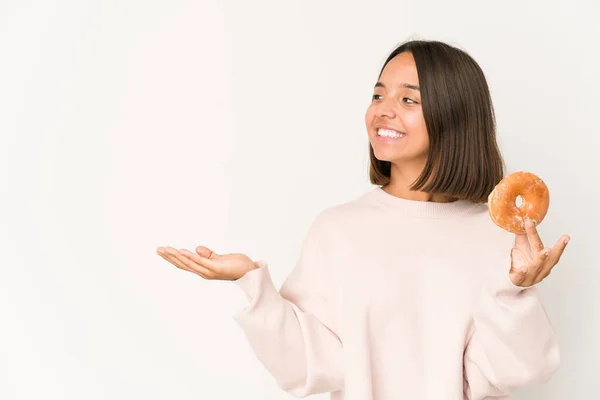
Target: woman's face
(396,106)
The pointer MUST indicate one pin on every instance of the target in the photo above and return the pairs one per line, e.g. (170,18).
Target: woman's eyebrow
(403,85)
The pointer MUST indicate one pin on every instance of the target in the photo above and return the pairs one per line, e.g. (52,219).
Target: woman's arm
(292,331)
(512,342)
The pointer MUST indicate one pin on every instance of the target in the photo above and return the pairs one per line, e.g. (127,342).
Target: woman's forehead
(400,71)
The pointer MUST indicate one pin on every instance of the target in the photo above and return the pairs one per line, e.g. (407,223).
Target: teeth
(389,133)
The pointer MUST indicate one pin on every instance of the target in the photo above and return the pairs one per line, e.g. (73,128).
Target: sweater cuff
(257,284)
(501,282)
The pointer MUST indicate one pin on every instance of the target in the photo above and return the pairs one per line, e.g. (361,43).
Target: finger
(181,260)
(205,252)
(518,269)
(547,268)
(210,264)
(524,270)
(535,243)
(553,256)
(519,259)
(517,277)
(522,243)
(558,249)
(198,263)
(189,264)
(176,263)
(531,274)
(172,259)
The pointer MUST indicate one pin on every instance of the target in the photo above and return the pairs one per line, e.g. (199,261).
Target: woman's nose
(385,109)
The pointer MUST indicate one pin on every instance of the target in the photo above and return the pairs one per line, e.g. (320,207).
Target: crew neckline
(424,209)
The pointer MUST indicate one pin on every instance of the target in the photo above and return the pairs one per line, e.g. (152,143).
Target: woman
(409,291)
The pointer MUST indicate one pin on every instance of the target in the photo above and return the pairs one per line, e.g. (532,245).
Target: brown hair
(464,161)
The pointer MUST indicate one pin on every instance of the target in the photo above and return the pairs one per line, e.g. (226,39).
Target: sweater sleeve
(292,331)
(512,342)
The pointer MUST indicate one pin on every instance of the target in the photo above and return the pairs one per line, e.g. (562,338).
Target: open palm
(208,264)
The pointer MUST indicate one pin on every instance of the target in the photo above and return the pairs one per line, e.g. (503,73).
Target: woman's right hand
(208,264)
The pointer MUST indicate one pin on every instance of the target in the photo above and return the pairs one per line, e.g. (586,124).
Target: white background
(127,125)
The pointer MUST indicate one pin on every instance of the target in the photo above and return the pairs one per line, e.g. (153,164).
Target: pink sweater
(394,299)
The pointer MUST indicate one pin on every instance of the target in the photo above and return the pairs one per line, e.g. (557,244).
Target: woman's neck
(402,178)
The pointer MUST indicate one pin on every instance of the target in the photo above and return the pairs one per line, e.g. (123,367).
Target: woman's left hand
(531,262)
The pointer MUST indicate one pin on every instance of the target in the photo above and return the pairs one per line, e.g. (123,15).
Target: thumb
(205,252)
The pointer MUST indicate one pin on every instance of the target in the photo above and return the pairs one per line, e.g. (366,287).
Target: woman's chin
(397,157)
(385,156)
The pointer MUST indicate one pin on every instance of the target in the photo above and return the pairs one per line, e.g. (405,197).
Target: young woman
(409,291)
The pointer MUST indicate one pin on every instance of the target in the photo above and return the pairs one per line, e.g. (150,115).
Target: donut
(502,205)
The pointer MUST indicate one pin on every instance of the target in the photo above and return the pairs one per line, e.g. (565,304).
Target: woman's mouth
(384,133)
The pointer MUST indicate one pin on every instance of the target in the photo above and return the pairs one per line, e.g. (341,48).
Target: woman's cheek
(414,122)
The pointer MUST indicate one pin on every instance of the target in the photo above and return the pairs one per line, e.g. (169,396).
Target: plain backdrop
(128,125)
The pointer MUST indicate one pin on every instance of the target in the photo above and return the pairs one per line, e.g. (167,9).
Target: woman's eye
(406,100)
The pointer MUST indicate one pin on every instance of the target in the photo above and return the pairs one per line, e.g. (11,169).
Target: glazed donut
(502,205)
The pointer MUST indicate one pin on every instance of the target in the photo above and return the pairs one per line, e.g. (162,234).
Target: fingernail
(566,241)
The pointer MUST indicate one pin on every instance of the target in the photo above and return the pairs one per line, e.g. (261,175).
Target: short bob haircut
(464,161)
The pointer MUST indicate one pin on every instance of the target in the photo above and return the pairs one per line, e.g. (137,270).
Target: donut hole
(519,201)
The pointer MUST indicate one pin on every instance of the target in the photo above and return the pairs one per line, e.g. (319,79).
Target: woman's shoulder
(348,209)
(357,213)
